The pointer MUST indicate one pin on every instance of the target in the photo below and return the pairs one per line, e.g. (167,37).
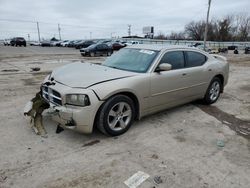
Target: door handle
(209,69)
(184,74)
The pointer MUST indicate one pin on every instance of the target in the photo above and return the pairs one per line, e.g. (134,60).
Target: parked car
(84,44)
(55,43)
(97,50)
(73,42)
(18,41)
(103,41)
(232,47)
(117,46)
(134,82)
(247,50)
(223,50)
(35,43)
(6,42)
(132,43)
(45,43)
(64,43)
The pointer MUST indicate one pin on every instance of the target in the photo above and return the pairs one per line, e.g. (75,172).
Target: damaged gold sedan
(132,83)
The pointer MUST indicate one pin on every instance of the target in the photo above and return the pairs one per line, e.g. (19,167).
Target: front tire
(116,115)
(213,91)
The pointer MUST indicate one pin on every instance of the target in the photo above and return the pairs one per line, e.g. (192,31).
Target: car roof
(160,47)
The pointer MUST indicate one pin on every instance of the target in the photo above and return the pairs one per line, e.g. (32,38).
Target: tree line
(228,28)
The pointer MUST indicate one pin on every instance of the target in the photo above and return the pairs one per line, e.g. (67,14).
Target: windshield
(135,60)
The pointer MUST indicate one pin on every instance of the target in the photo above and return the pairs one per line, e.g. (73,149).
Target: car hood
(84,75)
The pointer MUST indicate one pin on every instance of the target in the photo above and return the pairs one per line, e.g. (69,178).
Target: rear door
(197,73)
(186,81)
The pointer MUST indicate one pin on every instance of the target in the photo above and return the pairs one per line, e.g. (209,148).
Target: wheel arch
(221,77)
(125,93)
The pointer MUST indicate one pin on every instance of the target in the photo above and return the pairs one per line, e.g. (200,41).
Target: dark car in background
(18,41)
(97,50)
(45,43)
(233,47)
(117,46)
(72,43)
(247,50)
(84,44)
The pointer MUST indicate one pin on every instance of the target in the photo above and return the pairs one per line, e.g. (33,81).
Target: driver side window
(175,58)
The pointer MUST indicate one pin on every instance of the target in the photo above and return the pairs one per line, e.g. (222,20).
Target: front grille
(51,95)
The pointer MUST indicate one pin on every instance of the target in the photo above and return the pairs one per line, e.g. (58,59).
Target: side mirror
(163,67)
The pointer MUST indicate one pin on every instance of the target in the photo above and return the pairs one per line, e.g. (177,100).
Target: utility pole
(206,28)
(129,30)
(38,31)
(111,34)
(59,32)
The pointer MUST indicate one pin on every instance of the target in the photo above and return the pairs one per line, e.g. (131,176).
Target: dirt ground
(179,145)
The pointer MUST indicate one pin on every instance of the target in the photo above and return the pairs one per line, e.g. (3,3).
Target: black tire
(105,119)
(109,53)
(213,91)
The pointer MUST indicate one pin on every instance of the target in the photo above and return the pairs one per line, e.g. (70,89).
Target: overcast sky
(80,19)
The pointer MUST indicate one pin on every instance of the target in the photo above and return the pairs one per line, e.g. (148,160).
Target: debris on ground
(91,143)
(179,130)
(157,180)
(154,156)
(34,69)
(137,179)
(10,70)
(220,143)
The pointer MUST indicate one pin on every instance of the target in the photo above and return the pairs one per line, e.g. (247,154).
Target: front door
(169,87)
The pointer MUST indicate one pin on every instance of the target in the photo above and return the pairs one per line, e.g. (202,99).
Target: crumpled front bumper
(76,118)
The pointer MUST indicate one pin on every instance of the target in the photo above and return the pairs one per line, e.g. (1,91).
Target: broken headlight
(77,100)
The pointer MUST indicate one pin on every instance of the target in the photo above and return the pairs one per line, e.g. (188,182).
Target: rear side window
(194,59)
(176,59)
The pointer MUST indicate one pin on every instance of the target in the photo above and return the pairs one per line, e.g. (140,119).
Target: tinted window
(195,59)
(176,59)
(104,46)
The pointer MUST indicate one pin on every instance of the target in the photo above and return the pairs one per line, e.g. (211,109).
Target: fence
(211,44)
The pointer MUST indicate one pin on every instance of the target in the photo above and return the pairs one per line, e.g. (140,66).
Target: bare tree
(195,30)
(160,36)
(225,28)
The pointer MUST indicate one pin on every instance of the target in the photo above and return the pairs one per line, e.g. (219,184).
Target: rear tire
(116,115)
(213,91)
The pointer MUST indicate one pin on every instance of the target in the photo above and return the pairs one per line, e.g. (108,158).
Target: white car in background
(35,43)
(64,43)
(129,43)
(6,42)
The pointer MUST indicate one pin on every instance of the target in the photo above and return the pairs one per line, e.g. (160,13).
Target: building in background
(148,32)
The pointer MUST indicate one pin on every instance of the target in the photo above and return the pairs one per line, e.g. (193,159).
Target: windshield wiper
(114,67)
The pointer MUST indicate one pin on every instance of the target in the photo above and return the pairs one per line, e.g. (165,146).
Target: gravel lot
(179,145)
